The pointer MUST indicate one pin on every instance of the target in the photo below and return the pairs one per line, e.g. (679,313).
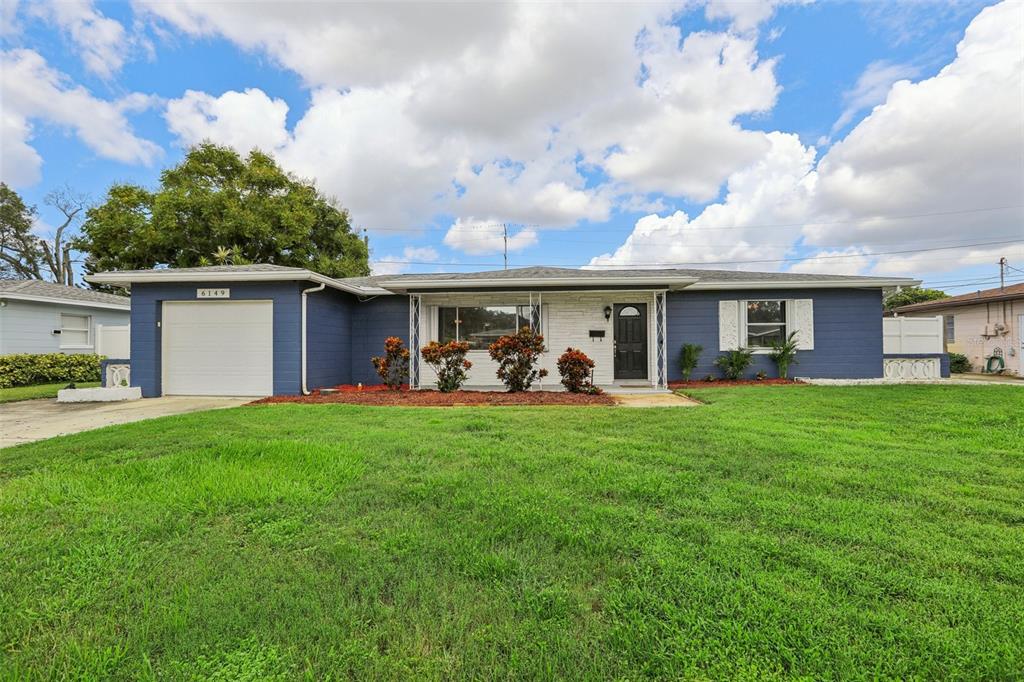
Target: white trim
(445,284)
(90,340)
(172,275)
(63,301)
(305,293)
(818,284)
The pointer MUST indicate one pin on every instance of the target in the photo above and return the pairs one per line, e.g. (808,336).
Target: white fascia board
(591,282)
(65,301)
(170,275)
(820,284)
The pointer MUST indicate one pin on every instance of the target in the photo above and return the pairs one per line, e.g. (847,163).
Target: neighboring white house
(981,325)
(43,317)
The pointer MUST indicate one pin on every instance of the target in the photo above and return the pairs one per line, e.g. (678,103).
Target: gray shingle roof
(255,267)
(34,287)
(543,272)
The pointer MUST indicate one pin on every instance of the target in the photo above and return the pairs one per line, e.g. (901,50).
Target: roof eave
(595,282)
(806,284)
(64,301)
(941,304)
(126,279)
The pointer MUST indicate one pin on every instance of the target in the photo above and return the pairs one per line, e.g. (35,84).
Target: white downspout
(311,290)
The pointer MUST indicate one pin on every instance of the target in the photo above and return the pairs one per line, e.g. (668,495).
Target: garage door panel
(218,348)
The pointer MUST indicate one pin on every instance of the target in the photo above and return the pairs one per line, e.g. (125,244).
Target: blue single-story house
(266,329)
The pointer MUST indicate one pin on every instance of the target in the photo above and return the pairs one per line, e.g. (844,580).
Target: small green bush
(734,362)
(688,359)
(25,369)
(958,363)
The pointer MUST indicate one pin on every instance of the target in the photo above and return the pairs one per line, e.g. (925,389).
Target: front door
(630,341)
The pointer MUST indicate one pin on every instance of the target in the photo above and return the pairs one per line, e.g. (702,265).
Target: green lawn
(10,395)
(815,532)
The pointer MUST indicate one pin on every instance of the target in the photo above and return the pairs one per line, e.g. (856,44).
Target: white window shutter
(803,323)
(728,325)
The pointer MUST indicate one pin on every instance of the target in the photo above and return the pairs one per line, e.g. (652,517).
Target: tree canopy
(909,295)
(216,207)
(20,252)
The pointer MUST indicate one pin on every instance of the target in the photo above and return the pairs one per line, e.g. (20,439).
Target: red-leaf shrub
(449,363)
(393,366)
(516,355)
(575,367)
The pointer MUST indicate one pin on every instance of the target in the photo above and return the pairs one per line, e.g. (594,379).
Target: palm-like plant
(784,354)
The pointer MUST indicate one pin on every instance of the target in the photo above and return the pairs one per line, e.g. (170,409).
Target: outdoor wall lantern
(607,313)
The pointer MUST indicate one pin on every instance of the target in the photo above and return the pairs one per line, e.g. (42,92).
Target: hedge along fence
(25,369)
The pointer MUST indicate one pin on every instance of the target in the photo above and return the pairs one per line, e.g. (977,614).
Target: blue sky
(717,135)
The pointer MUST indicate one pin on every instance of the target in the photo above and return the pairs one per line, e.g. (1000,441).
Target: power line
(734,262)
(908,216)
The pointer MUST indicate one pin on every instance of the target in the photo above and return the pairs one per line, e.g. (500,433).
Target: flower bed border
(725,383)
(374,396)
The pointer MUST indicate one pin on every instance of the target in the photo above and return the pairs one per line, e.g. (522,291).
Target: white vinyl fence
(912,336)
(903,335)
(114,342)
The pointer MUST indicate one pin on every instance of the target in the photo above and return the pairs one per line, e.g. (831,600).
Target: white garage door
(218,348)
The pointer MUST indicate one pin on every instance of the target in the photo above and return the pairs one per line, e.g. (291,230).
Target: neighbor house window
(950,329)
(766,323)
(481,326)
(74,331)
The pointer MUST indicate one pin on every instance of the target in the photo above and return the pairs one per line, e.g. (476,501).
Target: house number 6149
(213,293)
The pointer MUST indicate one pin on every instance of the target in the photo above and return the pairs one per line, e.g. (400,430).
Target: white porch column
(414,340)
(661,337)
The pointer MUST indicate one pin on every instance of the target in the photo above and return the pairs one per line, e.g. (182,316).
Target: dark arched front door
(630,341)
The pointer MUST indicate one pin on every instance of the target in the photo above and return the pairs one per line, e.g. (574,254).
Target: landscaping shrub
(958,363)
(734,362)
(393,366)
(575,368)
(688,359)
(449,363)
(784,354)
(25,369)
(516,354)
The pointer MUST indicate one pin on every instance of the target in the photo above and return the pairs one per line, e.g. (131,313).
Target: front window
(766,323)
(74,331)
(950,329)
(481,326)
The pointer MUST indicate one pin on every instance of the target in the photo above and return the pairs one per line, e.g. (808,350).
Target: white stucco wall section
(566,321)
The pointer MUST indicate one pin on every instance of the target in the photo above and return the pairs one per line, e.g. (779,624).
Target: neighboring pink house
(981,325)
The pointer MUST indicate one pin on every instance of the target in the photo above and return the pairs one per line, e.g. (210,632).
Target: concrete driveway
(31,420)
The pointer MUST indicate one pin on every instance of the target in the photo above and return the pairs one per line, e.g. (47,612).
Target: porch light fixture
(607,313)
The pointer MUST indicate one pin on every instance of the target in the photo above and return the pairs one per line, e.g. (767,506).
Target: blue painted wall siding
(372,322)
(847,332)
(328,338)
(147,302)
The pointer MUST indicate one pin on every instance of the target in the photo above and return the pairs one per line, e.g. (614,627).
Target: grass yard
(10,395)
(817,532)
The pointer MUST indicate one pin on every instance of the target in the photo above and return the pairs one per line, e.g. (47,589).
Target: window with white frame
(766,323)
(74,331)
(480,326)
(950,327)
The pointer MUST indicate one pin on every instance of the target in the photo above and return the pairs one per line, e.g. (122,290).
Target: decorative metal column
(662,337)
(414,341)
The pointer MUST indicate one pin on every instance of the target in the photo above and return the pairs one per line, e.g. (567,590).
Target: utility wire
(733,262)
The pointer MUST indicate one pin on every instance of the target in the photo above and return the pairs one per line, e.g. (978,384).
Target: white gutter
(171,275)
(805,284)
(661,282)
(311,290)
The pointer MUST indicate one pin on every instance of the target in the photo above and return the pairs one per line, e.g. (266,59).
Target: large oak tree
(216,207)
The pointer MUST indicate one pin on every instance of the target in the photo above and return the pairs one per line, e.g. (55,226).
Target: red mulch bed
(379,395)
(739,382)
